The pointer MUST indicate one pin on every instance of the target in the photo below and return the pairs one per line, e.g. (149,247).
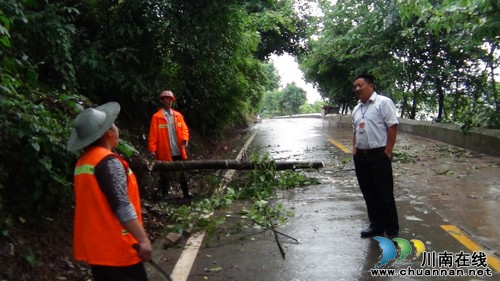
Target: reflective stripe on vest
(84,169)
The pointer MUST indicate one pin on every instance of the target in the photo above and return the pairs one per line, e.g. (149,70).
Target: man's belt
(370,151)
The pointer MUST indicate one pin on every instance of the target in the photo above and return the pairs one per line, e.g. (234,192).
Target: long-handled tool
(157,267)
(162,271)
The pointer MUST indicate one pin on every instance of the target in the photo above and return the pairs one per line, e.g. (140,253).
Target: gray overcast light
(289,72)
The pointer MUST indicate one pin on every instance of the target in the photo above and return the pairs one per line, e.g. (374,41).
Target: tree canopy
(57,57)
(287,101)
(436,59)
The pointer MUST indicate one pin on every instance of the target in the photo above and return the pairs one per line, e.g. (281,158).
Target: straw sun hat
(91,124)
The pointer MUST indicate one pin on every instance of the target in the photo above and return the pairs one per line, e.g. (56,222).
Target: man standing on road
(375,127)
(168,139)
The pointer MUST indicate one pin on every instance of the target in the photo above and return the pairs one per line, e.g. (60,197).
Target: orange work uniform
(158,135)
(99,238)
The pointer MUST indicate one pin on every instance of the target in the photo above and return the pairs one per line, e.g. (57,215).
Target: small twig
(276,231)
(277,239)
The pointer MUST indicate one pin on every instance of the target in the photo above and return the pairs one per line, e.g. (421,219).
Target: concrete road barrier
(482,140)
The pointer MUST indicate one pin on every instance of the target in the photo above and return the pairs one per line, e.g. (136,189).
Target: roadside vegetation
(438,60)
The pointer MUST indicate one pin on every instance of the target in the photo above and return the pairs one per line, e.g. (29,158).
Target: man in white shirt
(375,125)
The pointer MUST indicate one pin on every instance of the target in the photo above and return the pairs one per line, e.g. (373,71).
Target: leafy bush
(481,116)
(36,168)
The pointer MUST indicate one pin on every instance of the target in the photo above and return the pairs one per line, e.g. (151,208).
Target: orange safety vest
(99,238)
(158,135)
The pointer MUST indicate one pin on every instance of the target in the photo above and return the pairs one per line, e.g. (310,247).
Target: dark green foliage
(117,56)
(43,36)
(435,59)
(56,56)
(293,97)
(215,63)
(281,28)
(36,169)
(35,173)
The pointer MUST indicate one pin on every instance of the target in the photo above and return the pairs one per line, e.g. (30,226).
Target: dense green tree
(281,28)
(292,98)
(356,38)
(420,52)
(273,77)
(34,109)
(312,107)
(270,105)
(469,32)
(56,57)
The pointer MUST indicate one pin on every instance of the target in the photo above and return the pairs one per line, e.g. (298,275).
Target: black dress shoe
(370,232)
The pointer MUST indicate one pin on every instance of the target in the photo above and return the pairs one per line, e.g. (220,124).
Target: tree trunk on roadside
(439,90)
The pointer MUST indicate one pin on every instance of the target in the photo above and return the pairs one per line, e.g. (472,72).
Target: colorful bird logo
(404,247)
(389,249)
(419,246)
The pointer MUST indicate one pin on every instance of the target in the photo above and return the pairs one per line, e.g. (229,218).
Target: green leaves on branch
(257,186)
(36,174)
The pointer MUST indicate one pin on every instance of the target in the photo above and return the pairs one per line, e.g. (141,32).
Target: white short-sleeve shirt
(371,120)
(172,136)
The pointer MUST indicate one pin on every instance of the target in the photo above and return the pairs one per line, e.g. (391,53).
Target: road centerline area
(465,240)
(337,144)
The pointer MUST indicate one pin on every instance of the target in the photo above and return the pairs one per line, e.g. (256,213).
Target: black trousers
(165,180)
(135,272)
(375,178)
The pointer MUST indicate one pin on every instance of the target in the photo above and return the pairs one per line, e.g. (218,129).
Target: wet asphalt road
(327,220)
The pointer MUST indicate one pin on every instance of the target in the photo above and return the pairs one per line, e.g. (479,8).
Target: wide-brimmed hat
(91,124)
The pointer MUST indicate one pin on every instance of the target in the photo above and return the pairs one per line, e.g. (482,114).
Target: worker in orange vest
(168,139)
(108,230)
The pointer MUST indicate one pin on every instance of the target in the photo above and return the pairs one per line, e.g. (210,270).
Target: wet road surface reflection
(329,216)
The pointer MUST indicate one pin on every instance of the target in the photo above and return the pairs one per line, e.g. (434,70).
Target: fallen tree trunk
(232,165)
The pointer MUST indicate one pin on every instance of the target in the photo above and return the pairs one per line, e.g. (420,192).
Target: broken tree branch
(276,231)
(232,165)
(277,240)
